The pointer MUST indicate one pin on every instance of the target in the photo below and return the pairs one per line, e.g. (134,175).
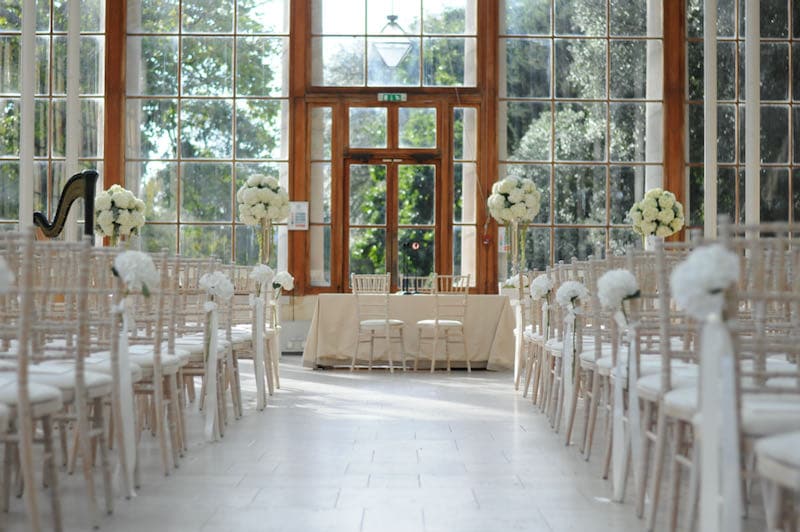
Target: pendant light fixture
(395,46)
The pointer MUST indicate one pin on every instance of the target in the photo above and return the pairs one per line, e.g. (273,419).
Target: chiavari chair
(450,294)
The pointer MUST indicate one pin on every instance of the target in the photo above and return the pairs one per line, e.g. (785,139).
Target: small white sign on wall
(298,216)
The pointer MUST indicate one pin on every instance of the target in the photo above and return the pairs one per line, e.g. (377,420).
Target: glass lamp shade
(392,51)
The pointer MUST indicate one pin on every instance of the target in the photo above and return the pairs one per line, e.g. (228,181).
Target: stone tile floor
(364,452)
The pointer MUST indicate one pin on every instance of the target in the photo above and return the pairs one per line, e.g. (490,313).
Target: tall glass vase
(265,240)
(517,254)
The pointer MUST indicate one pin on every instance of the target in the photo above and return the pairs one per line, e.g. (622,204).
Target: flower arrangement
(541,287)
(118,213)
(514,199)
(513,281)
(137,270)
(262,198)
(658,213)
(6,276)
(615,287)
(262,274)
(571,294)
(283,281)
(699,282)
(217,285)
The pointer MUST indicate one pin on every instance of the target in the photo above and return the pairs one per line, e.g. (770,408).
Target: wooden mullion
(674,47)
(340,255)
(114,126)
(443,235)
(488,35)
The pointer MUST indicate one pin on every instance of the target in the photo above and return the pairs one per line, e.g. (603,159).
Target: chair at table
(450,293)
(413,284)
(372,303)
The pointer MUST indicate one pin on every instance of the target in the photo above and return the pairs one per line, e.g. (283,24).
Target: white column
(654,121)
(710,117)
(73,106)
(752,112)
(27,65)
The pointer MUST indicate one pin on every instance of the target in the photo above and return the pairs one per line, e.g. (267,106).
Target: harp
(79,186)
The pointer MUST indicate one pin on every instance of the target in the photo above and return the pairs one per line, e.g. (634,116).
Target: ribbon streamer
(545,320)
(258,357)
(719,437)
(568,362)
(211,421)
(126,401)
(634,415)
(619,446)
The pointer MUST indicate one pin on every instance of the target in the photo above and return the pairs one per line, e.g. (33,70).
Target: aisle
(341,451)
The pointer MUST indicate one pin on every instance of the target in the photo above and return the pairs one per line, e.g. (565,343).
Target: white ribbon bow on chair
(258,357)
(568,360)
(210,401)
(126,407)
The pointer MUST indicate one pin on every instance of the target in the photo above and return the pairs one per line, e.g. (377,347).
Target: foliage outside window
(580,114)
(50,173)
(780,114)
(206,107)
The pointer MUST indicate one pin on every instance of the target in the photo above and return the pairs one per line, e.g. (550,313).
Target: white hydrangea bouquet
(137,270)
(658,214)
(615,287)
(118,214)
(515,202)
(262,201)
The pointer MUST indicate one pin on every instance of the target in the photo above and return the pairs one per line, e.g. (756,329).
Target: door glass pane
(465,178)
(417,127)
(368,250)
(320,255)
(368,127)
(416,194)
(367,194)
(416,251)
(465,238)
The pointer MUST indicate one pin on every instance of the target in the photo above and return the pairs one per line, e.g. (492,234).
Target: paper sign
(298,216)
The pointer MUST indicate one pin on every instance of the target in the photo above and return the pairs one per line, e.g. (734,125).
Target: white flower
(283,280)
(262,274)
(571,293)
(272,183)
(516,195)
(105,218)
(217,284)
(518,210)
(102,202)
(514,199)
(663,231)
(654,193)
(138,219)
(667,200)
(676,224)
(699,282)
(121,199)
(137,271)
(254,180)
(507,185)
(648,228)
(139,205)
(513,281)
(666,216)
(650,214)
(615,286)
(6,276)
(124,218)
(541,286)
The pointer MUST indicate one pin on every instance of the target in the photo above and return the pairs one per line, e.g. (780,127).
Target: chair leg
(658,465)
(100,427)
(447,348)
(355,353)
(464,347)
(388,333)
(591,414)
(573,408)
(276,361)
(675,475)
(158,421)
(268,370)
(609,439)
(419,349)
(694,488)
(643,469)
(371,350)
(435,347)
(172,419)
(52,469)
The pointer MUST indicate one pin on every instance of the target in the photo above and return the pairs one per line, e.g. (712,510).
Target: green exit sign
(391,96)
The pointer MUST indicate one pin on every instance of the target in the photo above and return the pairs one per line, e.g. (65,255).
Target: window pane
(627,187)
(206,129)
(774,18)
(578,243)
(156,183)
(260,66)
(580,68)
(525,17)
(619,240)
(320,255)
(206,66)
(9,191)
(449,16)
(206,241)
(152,65)
(155,238)
(629,132)
(465,179)
(247,250)
(207,16)
(368,127)
(153,16)
(465,244)
(628,75)
(405,72)
(417,127)
(367,194)
(774,134)
(537,248)
(368,250)
(580,195)
(774,195)
(9,63)
(540,174)
(261,129)
(629,17)
(9,127)
(527,68)
(580,17)
(415,252)
(320,194)
(449,62)
(337,61)
(416,186)
(581,130)
(320,131)
(527,131)
(326,19)
(407,13)
(153,128)
(465,133)
(774,71)
(264,16)
(206,192)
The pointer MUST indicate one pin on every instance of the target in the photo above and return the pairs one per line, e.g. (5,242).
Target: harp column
(73,106)
(27,116)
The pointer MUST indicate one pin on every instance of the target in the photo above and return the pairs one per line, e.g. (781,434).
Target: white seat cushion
(44,399)
(62,376)
(145,361)
(182,354)
(442,323)
(377,324)
(778,458)
(649,386)
(99,364)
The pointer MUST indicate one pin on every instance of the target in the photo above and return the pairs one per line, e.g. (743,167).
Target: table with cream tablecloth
(489,330)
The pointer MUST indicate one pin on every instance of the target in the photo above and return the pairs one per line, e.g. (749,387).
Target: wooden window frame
(483,96)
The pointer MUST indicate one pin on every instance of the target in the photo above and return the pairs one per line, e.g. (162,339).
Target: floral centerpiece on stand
(514,203)
(658,214)
(262,201)
(118,214)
